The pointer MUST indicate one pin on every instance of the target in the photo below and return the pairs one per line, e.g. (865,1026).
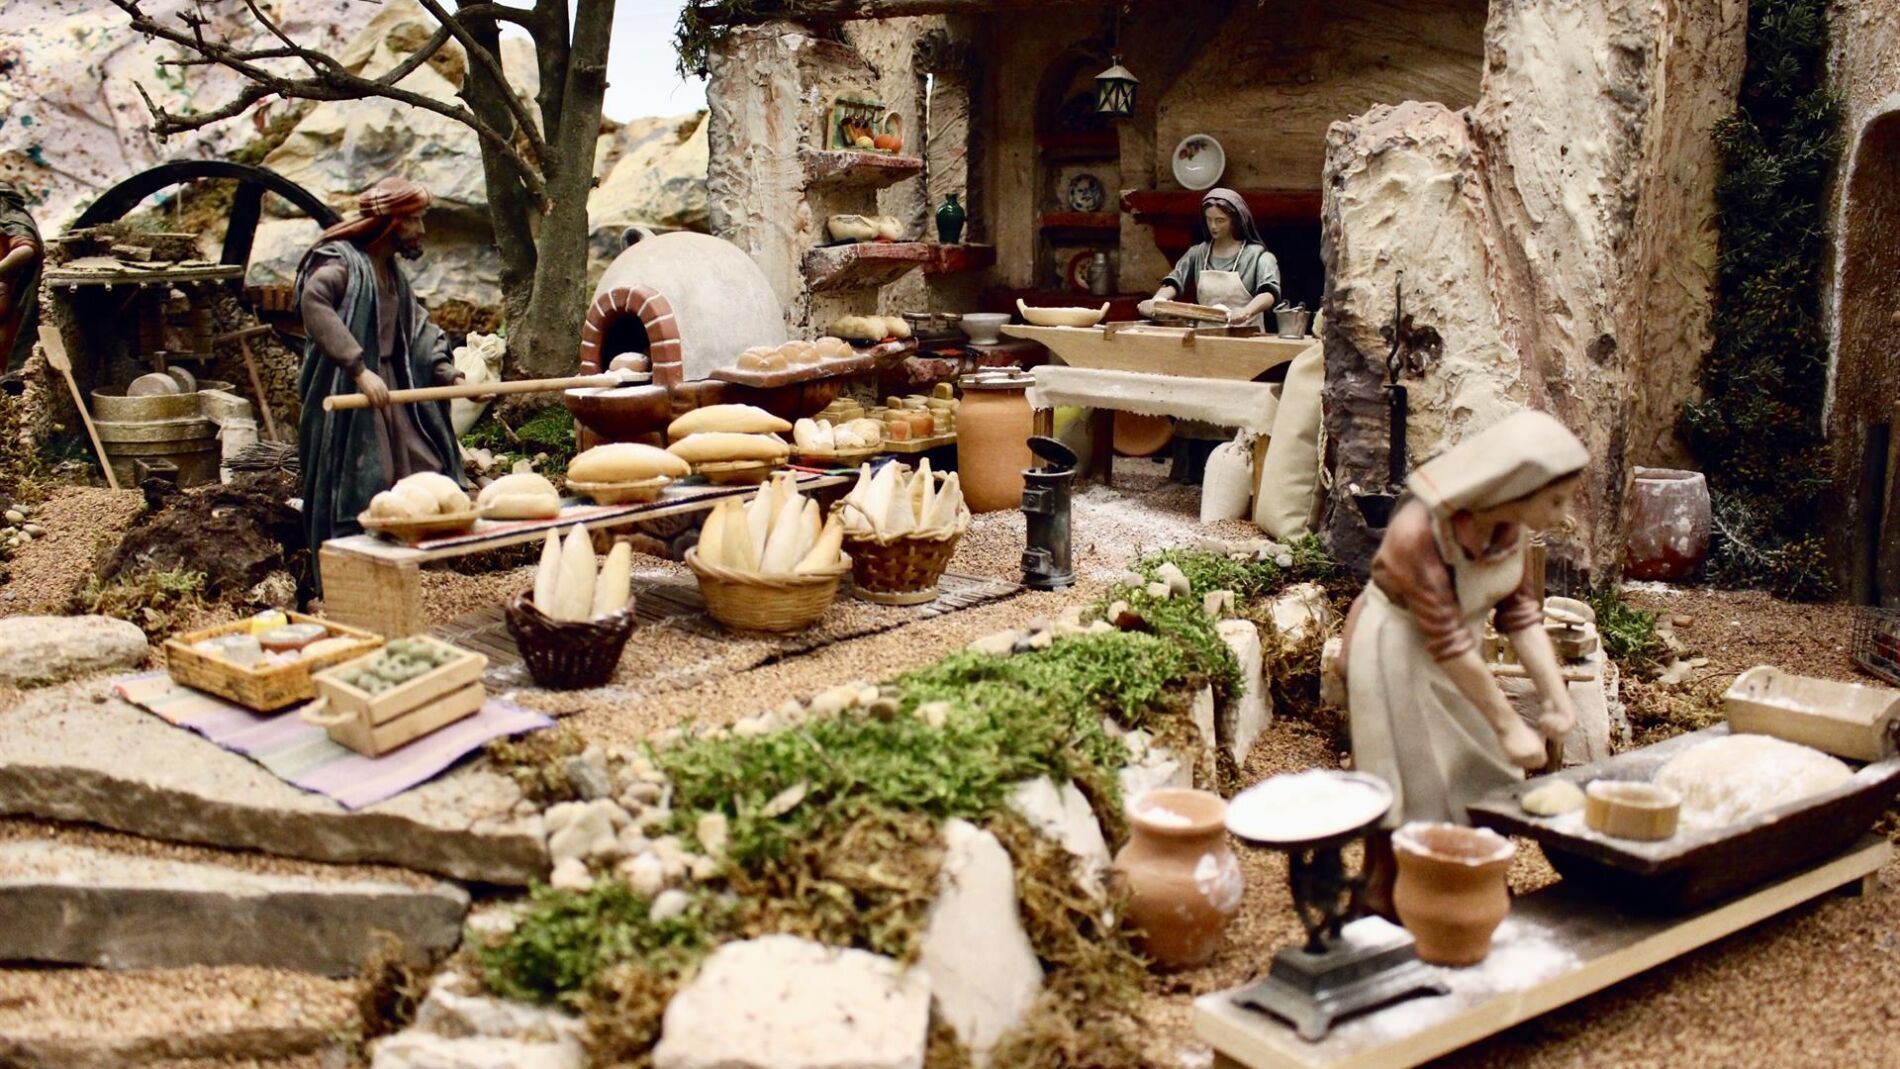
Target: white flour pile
(1303,806)
(1727,780)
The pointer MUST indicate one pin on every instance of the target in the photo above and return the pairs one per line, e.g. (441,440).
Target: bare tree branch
(332,81)
(491,65)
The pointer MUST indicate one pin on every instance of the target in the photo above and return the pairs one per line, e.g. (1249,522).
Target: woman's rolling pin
(347,401)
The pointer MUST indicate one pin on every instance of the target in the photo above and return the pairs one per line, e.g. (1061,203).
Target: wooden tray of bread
(765,380)
(263,687)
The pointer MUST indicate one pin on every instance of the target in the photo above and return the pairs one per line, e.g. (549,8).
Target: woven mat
(676,603)
(304,756)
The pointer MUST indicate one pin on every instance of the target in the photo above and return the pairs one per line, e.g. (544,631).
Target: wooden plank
(1156,350)
(1558,945)
(699,499)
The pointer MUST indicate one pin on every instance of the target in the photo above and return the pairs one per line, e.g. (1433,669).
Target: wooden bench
(376,584)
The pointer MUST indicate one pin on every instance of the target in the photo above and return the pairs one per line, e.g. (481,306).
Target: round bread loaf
(830,348)
(708,447)
(626,462)
(736,419)
(448,496)
(799,352)
(521,496)
(761,359)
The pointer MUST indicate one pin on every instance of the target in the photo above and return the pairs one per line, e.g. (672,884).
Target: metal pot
(1292,322)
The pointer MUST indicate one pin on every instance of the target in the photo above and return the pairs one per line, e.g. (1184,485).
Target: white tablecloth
(1246,405)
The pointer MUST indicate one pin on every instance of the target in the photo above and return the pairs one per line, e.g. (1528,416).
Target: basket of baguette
(769,564)
(572,627)
(901,529)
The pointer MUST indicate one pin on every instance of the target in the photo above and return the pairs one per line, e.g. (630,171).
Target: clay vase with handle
(1184,882)
(1451,893)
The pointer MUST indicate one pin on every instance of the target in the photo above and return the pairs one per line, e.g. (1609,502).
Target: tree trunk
(548,343)
(510,209)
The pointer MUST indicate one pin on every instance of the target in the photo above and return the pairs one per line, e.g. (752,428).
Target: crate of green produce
(411,687)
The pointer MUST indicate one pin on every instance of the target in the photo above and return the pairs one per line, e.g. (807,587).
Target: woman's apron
(1411,725)
(1227,289)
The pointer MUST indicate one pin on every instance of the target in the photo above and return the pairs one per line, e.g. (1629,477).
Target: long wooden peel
(243,338)
(349,401)
(55,347)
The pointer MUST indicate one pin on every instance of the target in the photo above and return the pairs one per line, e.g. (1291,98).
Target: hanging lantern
(1115,91)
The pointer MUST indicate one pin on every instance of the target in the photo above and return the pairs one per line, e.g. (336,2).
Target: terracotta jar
(1451,893)
(993,428)
(1184,882)
(1669,524)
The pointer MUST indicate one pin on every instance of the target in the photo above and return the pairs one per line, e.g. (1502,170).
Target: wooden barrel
(191,444)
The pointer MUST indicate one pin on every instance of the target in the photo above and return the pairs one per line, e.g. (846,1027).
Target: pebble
(1159,590)
(570,874)
(997,644)
(1176,580)
(703,869)
(639,795)
(786,800)
(587,771)
(749,727)
(834,700)
(936,714)
(33,530)
(1041,640)
(645,874)
(15,516)
(1683,621)
(668,904)
(713,831)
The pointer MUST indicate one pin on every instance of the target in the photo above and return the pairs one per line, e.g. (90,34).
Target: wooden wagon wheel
(247,204)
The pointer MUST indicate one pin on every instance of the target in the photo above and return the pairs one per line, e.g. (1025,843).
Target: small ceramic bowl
(1626,809)
(983,328)
(1199,161)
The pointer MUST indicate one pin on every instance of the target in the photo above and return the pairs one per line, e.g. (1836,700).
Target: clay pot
(1450,893)
(993,429)
(1184,883)
(1669,524)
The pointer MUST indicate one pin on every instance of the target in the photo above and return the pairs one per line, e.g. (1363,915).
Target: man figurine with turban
(368,334)
(20,256)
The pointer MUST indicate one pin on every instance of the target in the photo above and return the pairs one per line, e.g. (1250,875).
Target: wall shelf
(1080,145)
(866,264)
(955,259)
(1097,222)
(845,169)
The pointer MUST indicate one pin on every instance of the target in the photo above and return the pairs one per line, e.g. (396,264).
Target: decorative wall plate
(1199,161)
(1085,193)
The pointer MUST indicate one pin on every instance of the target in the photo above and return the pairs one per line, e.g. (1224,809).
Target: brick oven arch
(633,318)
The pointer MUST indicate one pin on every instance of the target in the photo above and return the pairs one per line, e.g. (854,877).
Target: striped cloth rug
(304,756)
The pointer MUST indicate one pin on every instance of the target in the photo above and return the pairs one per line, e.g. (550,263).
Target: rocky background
(72,125)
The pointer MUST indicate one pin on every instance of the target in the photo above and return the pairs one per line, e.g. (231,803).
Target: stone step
(176,1018)
(78,905)
(77,753)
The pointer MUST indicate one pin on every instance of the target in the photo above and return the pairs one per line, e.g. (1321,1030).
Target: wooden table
(1558,945)
(376,584)
(1163,352)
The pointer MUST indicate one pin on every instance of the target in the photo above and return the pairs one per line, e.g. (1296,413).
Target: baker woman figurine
(1229,267)
(1426,715)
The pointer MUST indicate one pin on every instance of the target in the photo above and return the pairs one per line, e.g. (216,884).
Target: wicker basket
(265,687)
(567,654)
(903,569)
(780,604)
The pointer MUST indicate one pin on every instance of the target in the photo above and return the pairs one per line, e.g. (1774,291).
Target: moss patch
(537,762)
(160,601)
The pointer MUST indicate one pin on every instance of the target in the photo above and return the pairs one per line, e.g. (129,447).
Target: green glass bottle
(950,217)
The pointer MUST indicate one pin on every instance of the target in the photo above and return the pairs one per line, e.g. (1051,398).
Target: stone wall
(1531,228)
(1864,296)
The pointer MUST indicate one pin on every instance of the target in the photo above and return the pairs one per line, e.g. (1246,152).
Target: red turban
(378,208)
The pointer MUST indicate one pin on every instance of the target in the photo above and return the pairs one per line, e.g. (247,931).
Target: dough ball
(444,491)
(1552,799)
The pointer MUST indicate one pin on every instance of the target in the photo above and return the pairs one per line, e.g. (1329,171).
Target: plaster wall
(1532,228)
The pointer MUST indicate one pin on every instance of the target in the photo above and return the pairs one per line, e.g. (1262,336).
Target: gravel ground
(47,571)
(44,1004)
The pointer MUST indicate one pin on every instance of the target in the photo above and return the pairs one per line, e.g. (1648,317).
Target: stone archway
(1863,420)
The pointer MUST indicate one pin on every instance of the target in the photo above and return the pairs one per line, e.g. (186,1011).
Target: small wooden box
(265,687)
(374,724)
(1848,720)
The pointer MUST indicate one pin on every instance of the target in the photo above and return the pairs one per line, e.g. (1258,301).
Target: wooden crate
(374,741)
(266,687)
(343,699)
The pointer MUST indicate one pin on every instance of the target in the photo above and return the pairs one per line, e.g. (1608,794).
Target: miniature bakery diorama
(1104,536)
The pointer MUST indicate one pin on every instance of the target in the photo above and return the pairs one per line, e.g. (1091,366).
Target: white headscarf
(1518,455)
